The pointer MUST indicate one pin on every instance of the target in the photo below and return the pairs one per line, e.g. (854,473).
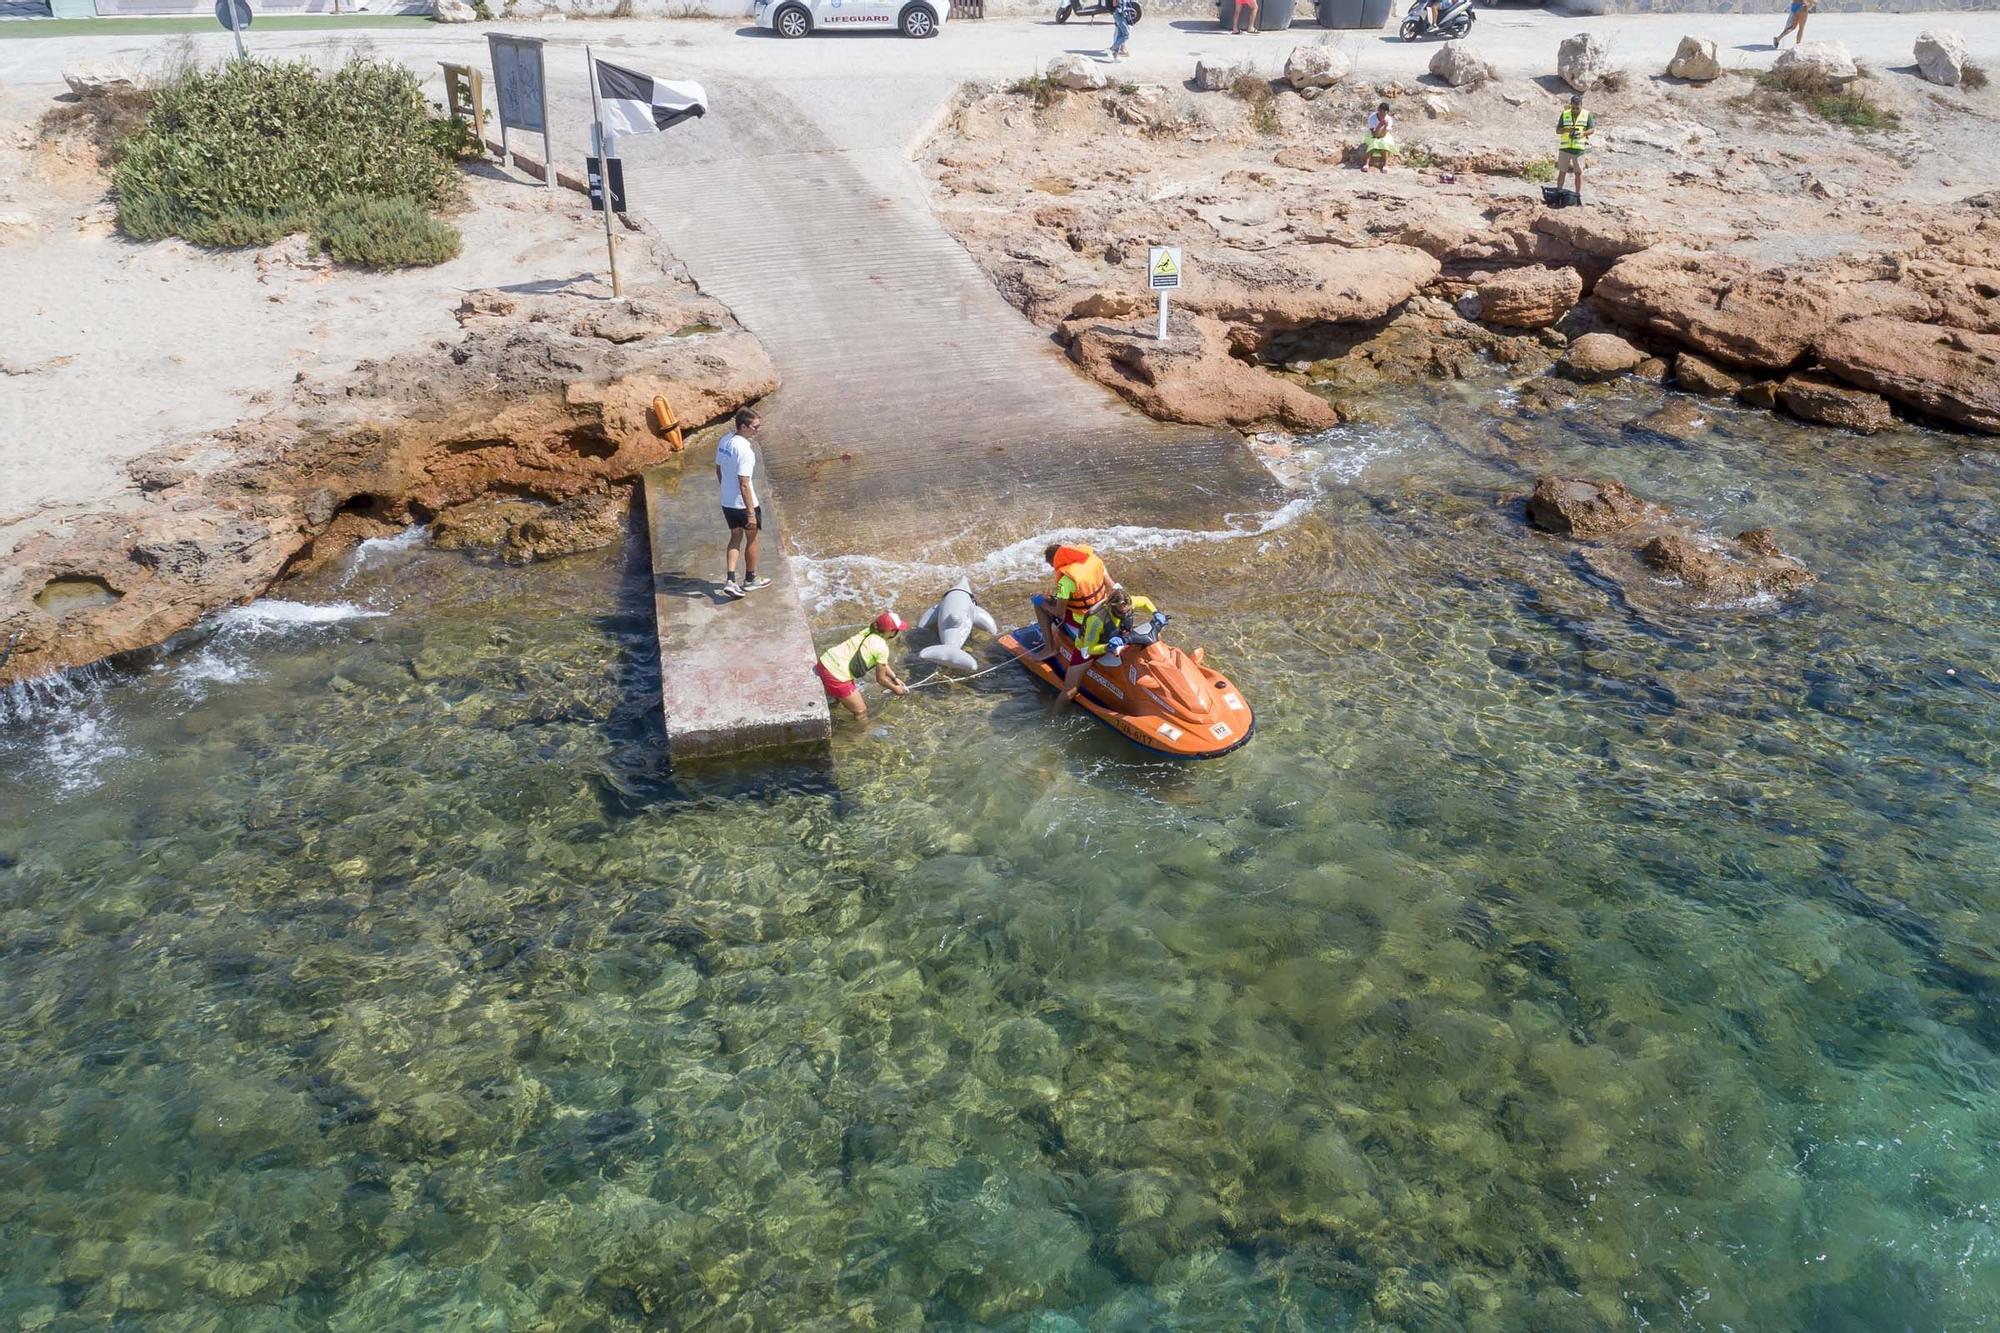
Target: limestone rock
(1695,60)
(1316,66)
(1816,63)
(1529,298)
(1736,313)
(1940,56)
(1596,357)
(1735,571)
(523,403)
(1952,374)
(1299,285)
(532,9)
(1192,377)
(454,11)
(17,226)
(1460,66)
(1210,77)
(1583,61)
(1814,398)
(95,78)
(1587,507)
(1697,375)
(1075,72)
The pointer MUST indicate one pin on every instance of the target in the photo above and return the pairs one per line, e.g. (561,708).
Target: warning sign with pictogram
(1165,267)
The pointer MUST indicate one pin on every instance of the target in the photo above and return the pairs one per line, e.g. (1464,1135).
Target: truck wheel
(793,21)
(918,21)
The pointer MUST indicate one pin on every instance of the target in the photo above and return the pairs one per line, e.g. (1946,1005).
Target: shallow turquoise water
(1537,967)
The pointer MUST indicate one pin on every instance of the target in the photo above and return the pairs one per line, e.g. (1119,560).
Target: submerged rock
(1750,565)
(1585,507)
(1657,558)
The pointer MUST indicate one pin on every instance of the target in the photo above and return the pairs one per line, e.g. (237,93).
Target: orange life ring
(665,422)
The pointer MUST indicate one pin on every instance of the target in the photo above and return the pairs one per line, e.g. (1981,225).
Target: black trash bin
(1375,13)
(1340,13)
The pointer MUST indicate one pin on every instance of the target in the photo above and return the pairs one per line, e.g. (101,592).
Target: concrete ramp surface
(920,416)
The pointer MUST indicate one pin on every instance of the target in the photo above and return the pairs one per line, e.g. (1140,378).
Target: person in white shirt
(1381,140)
(735,469)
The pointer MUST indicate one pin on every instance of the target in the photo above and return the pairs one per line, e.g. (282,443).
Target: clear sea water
(1539,966)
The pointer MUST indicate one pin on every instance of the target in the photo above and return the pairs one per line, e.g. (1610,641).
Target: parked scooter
(1090,9)
(1454,20)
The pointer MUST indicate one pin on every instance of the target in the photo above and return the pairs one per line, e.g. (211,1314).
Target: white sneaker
(753,584)
(731,590)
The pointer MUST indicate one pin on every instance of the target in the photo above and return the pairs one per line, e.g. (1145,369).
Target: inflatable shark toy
(955,616)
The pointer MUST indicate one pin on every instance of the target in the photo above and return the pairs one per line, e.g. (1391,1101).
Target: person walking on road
(1796,23)
(1246,16)
(1573,130)
(735,469)
(1121,29)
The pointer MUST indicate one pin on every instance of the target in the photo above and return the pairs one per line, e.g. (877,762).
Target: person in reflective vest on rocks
(839,665)
(1081,586)
(1573,130)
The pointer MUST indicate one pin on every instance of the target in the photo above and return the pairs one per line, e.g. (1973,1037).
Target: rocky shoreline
(1307,279)
(521,437)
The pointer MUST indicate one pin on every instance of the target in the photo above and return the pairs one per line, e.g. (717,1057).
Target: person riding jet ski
(1120,619)
(1080,588)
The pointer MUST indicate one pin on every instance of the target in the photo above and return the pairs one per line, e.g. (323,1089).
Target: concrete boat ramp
(920,416)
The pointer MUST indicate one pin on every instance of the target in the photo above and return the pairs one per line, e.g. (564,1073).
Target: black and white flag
(636,103)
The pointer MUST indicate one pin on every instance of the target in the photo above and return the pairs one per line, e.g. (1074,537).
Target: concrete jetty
(735,675)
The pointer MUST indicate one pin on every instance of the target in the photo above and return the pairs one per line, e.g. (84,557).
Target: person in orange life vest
(1081,587)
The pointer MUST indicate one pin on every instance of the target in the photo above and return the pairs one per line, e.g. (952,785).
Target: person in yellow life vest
(867,651)
(1120,614)
(1081,585)
(1573,130)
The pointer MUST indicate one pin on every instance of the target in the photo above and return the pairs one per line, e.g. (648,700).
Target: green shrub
(257,145)
(1541,170)
(1419,158)
(1811,90)
(383,233)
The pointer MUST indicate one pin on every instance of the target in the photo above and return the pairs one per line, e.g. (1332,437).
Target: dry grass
(107,119)
(1971,78)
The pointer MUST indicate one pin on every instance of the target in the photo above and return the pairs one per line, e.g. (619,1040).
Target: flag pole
(602,142)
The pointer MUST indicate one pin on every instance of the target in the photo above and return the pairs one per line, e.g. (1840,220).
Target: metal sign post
(603,140)
(520,86)
(235,16)
(1163,268)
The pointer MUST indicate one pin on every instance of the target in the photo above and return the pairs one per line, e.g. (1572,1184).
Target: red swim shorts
(836,688)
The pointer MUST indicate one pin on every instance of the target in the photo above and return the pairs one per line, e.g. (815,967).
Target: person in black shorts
(735,473)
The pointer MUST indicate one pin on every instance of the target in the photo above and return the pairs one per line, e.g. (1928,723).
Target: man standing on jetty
(735,472)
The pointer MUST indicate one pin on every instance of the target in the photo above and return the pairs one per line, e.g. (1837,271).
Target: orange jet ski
(1150,692)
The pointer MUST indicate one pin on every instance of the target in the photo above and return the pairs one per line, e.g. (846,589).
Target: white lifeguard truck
(796,18)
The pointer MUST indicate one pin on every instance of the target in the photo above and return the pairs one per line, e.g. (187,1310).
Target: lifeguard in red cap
(839,666)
